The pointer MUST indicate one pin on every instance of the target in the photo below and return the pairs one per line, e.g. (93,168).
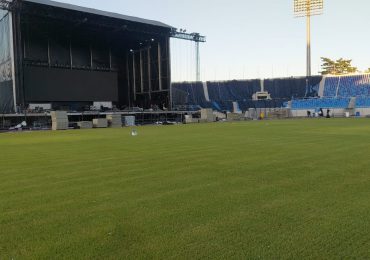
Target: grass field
(279,189)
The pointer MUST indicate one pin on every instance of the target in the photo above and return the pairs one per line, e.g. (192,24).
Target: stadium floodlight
(303,8)
(308,8)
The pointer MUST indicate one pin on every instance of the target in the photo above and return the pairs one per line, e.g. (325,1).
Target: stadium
(104,155)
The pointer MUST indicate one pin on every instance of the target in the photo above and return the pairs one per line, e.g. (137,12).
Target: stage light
(9,5)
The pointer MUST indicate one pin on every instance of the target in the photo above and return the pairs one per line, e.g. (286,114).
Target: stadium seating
(274,103)
(246,104)
(337,93)
(316,103)
(221,95)
(354,86)
(331,85)
(347,86)
(289,88)
(363,102)
(233,90)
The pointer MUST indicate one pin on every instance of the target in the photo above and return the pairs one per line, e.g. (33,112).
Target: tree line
(338,67)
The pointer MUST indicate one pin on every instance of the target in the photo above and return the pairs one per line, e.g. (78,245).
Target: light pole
(308,8)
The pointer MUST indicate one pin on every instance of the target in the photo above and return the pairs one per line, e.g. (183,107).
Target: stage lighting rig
(9,5)
(195,37)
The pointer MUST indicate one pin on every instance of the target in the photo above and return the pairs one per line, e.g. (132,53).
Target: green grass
(271,189)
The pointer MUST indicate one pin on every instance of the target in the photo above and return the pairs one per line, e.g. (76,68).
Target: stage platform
(42,120)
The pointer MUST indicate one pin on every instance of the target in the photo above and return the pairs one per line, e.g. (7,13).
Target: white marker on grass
(134,132)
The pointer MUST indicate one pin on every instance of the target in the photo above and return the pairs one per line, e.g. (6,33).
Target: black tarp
(236,90)
(189,94)
(223,94)
(288,88)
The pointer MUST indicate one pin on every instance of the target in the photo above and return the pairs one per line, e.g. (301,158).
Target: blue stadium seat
(347,86)
(363,102)
(325,103)
(331,85)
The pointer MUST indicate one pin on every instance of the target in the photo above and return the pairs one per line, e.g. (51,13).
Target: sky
(253,39)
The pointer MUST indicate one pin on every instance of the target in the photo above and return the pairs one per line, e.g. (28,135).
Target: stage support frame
(12,57)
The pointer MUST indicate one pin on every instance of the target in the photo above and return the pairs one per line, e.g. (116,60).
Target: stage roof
(98,12)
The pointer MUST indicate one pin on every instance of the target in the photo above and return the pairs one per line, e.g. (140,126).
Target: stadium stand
(221,95)
(341,93)
(332,92)
(347,86)
(190,95)
(331,85)
(233,90)
(363,102)
(325,103)
(291,87)
(354,86)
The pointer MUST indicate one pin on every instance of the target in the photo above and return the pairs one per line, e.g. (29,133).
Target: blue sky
(253,39)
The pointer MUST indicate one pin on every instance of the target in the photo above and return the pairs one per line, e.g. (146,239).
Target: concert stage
(71,56)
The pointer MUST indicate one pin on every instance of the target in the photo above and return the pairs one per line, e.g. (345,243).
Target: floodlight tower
(308,8)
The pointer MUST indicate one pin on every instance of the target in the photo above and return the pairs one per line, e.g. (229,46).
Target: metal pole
(70,54)
(11,39)
(49,59)
(169,79)
(197,58)
(149,74)
(141,72)
(134,74)
(159,66)
(308,39)
(110,59)
(128,80)
(91,57)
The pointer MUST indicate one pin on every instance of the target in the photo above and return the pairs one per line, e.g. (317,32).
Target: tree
(328,66)
(367,71)
(338,67)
